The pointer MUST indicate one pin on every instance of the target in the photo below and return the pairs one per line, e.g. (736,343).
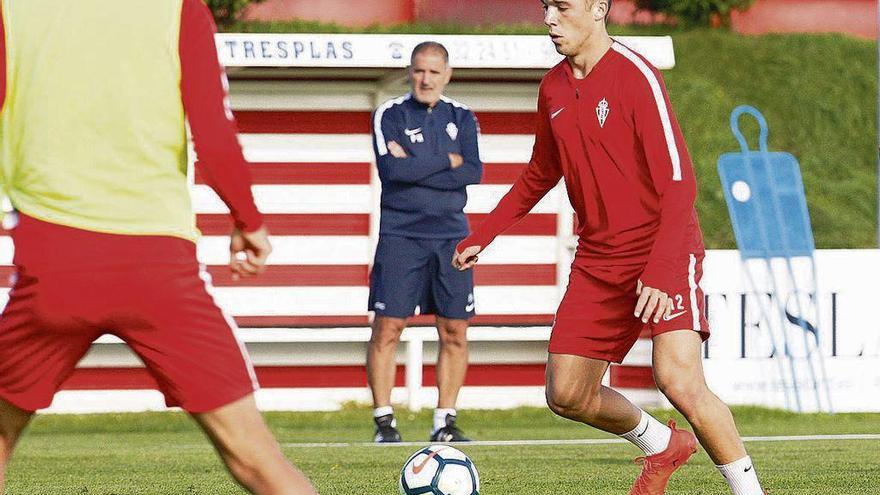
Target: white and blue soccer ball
(439,470)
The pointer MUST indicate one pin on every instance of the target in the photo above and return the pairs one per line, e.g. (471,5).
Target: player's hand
(466,259)
(653,304)
(455,160)
(248,252)
(396,150)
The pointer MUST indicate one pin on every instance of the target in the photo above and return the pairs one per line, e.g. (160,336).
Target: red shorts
(73,286)
(595,318)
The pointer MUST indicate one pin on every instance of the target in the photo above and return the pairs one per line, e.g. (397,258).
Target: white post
(414,351)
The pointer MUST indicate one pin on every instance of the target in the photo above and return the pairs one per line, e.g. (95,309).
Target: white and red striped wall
(309,146)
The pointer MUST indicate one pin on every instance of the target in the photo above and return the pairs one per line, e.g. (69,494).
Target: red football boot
(657,468)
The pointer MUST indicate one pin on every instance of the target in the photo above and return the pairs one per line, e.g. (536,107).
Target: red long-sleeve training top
(613,137)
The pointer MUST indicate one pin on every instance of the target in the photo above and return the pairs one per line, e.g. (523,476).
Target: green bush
(227,11)
(696,12)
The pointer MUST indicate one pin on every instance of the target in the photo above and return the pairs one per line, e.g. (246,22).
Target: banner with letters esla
(393,50)
(742,360)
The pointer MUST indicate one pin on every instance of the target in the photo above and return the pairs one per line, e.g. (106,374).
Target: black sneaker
(449,433)
(386,431)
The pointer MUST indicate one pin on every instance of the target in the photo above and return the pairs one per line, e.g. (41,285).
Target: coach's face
(572,22)
(429,74)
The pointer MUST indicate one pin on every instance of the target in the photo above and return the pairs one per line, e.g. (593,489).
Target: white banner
(739,359)
(847,295)
(393,50)
(853,383)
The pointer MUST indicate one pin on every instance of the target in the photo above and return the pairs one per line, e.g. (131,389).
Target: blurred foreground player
(605,125)
(94,160)
(427,154)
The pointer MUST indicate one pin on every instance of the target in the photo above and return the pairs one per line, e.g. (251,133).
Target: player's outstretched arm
(221,162)
(537,179)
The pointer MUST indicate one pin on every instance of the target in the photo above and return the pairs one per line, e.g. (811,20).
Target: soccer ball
(439,470)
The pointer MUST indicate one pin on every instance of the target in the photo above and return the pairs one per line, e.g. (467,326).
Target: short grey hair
(430,46)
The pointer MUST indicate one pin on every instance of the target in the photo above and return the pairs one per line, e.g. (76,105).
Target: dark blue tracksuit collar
(417,105)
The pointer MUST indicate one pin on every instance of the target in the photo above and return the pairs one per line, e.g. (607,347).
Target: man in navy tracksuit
(427,153)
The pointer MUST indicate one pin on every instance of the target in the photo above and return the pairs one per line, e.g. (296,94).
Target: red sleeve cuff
(474,239)
(250,221)
(659,275)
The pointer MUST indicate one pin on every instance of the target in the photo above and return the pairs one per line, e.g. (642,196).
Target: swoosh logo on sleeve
(417,468)
(554,114)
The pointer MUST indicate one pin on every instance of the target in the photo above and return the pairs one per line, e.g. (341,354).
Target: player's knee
(386,335)
(557,404)
(684,396)
(257,470)
(9,434)
(572,405)
(6,444)
(453,339)
(384,340)
(245,470)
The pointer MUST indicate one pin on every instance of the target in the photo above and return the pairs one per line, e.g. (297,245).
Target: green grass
(818,93)
(165,453)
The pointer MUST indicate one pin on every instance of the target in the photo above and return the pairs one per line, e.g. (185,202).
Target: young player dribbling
(606,126)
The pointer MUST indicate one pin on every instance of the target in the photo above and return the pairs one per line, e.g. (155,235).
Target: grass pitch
(165,453)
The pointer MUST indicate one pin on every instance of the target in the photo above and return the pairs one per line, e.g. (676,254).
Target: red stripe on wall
(507,122)
(363,321)
(302,122)
(314,321)
(531,374)
(532,224)
(632,377)
(501,173)
(515,275)
(310,377)
(503,320)
(356,376)
(304,173)
(359,122)
(358,276)
(295,276)
(6,273)
(109,379)
(355,224)
(485,375)
(296,173)
(294,224)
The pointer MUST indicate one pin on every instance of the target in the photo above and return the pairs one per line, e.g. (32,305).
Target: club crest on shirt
(452,130)
(415,135)
(602,112)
